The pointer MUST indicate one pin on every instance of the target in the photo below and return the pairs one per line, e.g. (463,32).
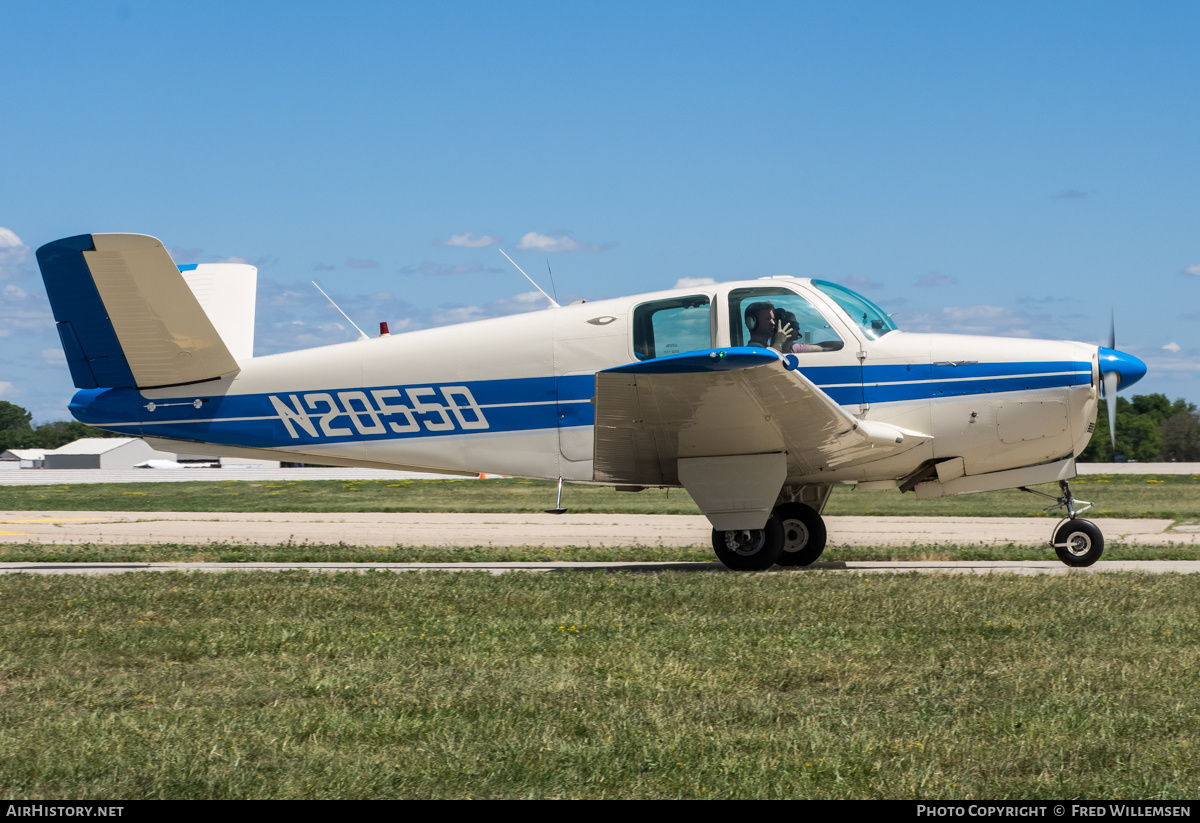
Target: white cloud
(500,307)
(9,239)
(14,256)
(860,283)
(440,270)
(979,319)
(289,297)
(1186,367)
(933,281)
(25,314)
(559,241)
(467,240)
(54,357)
(6,389)
(182,255)
(1193,270)
(694,282)
(232,259)
(1173,347)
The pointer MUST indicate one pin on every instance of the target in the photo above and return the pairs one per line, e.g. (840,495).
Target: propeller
(1117,370)
(1111,381)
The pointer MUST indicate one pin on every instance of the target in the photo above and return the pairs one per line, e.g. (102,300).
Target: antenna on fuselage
(553,302)
(553,288)
(361,334)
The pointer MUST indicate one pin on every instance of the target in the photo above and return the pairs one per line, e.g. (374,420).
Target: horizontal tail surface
(126,316)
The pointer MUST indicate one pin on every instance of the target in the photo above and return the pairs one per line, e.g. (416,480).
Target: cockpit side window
(865,314)
(757,314)
(674,326)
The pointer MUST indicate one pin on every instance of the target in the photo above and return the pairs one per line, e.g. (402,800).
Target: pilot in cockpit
(778,329)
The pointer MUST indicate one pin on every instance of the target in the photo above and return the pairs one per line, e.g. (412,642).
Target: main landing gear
(1077,542)
(793,536)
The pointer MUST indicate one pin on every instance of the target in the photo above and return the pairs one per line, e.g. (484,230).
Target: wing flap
(722,403)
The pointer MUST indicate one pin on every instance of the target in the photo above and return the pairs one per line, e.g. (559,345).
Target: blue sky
(1018,169)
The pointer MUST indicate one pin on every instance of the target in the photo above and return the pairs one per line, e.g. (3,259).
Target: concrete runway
(1018,567)
(444,530)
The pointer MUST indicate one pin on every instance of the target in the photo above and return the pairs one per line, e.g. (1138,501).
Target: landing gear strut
(794,535)
(1077,542)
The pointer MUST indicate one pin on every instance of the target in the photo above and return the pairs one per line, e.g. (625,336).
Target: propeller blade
(1111,381)
(1112,331)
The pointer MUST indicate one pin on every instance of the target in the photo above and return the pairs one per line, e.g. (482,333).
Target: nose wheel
(1076,541)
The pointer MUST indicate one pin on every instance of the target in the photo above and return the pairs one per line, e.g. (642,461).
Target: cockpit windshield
(865,314)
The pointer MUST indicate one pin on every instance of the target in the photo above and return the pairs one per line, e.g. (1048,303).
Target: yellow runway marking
(25,533)
(54,520)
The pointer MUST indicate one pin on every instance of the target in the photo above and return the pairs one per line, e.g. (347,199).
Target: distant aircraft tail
(126,316)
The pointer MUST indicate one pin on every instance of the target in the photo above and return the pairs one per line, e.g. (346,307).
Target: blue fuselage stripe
(498,406)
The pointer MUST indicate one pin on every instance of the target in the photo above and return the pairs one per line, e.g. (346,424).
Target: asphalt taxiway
(534,529)
(537,529)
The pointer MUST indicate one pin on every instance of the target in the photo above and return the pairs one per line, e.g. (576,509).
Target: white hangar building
(103,453)
(22,459)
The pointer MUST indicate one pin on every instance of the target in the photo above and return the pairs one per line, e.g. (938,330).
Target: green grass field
(675,685)
(1165,496)
(343,553)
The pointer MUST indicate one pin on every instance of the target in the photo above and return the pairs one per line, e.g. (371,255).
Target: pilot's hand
(783,333)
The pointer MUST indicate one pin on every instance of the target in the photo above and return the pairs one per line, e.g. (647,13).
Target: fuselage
(514,395)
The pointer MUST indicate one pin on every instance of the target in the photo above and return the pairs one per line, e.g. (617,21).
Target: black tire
(750,550)
(803,534)
(1078,543)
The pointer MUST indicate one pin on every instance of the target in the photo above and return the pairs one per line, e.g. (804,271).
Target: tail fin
(126,316)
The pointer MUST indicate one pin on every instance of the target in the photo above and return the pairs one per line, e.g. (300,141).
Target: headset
(752,312)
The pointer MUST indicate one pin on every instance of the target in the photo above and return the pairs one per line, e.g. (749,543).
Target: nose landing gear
(1077,542)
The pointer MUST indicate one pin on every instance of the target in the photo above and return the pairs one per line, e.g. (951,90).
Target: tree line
(18,432)
(1150,429)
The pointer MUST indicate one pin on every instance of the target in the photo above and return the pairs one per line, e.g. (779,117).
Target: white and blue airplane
(757,397)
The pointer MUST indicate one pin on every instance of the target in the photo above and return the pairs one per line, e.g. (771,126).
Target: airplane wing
(727,402)
(126,316)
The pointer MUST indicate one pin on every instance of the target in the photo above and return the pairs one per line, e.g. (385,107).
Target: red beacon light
(383,329)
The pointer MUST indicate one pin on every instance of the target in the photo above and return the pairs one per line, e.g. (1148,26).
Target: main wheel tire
(1078,543)
(750,550)
(803,534)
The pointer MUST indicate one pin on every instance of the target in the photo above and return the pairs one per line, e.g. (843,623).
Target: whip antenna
(553,302)
(361,334)
(553,288)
